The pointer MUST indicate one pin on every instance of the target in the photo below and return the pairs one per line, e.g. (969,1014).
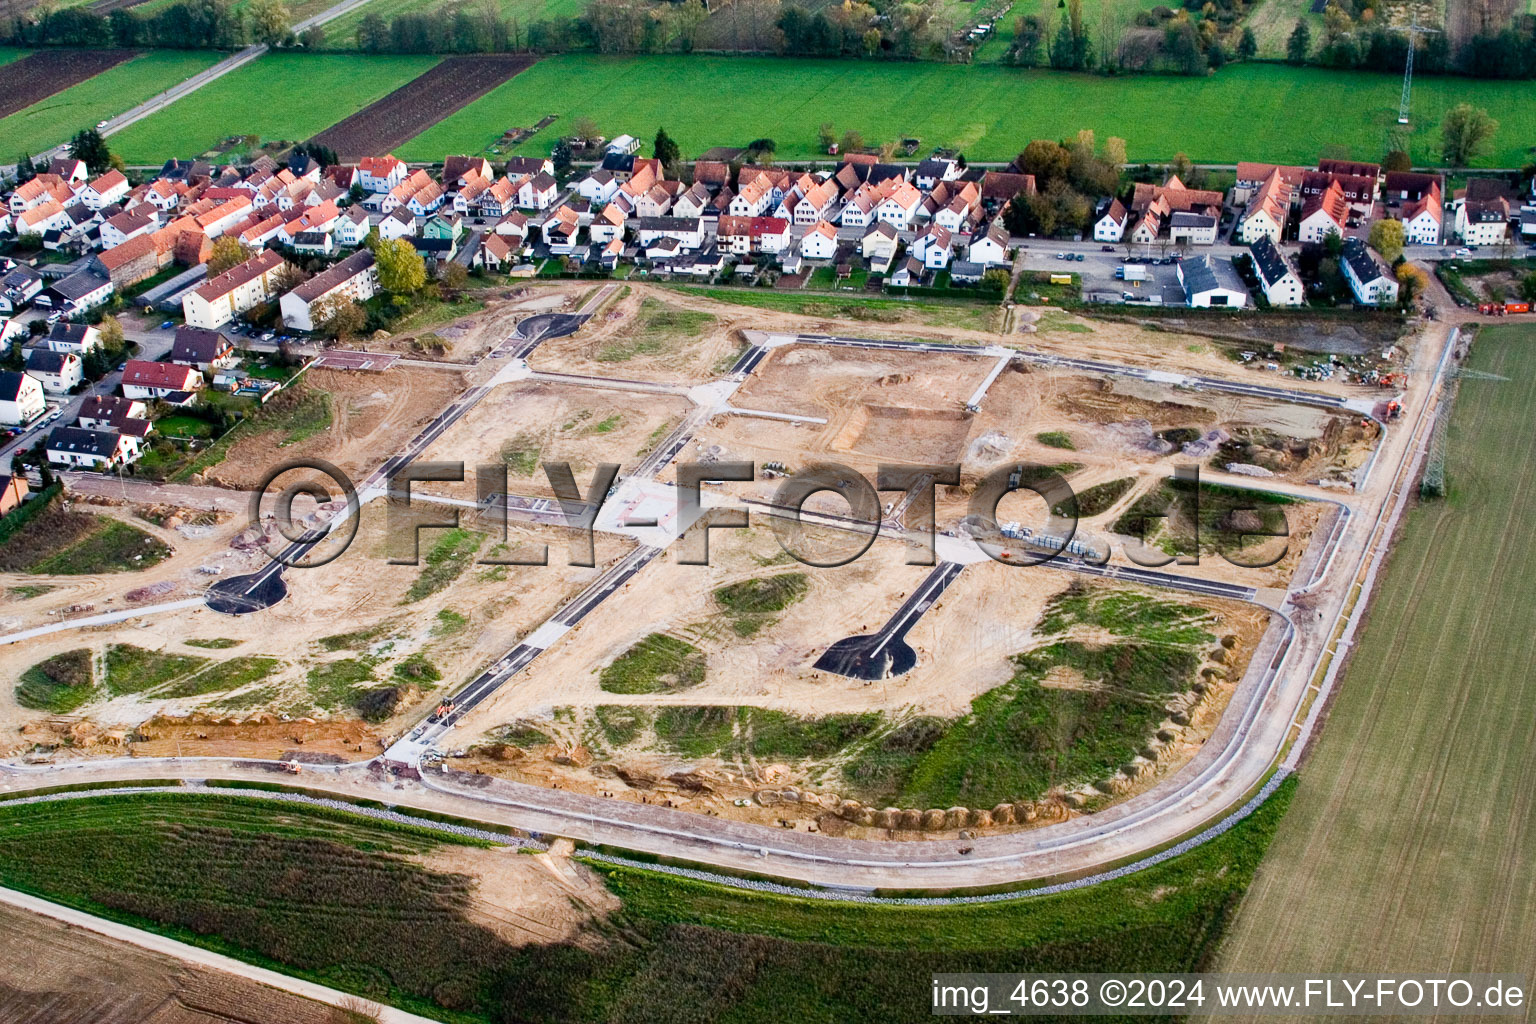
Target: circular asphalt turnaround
(542,326)
(241,595)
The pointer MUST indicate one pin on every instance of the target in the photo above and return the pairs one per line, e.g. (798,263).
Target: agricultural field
(341,34)
(1273,112)
(334,897)
(275,97)
(1413,816)
(420,103)
(34,78)
(53,120)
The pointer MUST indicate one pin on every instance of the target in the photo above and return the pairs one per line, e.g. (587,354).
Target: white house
(1211,283)
(146,380)
(118,228)
(878,243)
(598,187)
(1483,221)
(1282,286)
(933,247)
(206,350)
(1422,218)
(78,448)
(355,279)
(1324,214)
(820,242)
(105,190)
(1110,224)
(217,301)
(353,227)
(21,398)
(380,173)
(68,337)
(1372,283)
(688,231)
(57,372)
(537,192)
(990,247)
(1192,228)
(900,206)
(1267,211)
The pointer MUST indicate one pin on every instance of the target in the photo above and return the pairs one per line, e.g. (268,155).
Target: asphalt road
(886,653)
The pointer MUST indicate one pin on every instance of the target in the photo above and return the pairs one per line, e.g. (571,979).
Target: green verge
(657,664)
(658,327)
(329,896)
(59,684)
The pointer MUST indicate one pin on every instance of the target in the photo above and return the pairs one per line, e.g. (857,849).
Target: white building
(219,300)
(57,372)
(819,243)
(1282,286)
(1371,282)
(354,279)
(1210,283)
(21,398)
(77,448)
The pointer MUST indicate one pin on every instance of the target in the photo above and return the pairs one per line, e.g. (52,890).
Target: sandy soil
(372,416)
(536,422)
(361,592)
(600,348)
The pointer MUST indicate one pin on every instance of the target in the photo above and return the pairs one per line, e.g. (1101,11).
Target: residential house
(1193,228)
(933,247)
(519,166)
(1211,283)
(380,173)
(354,279)
(67,337)
(165,195)
(19,286)
(692,203)
(1251,176)
(1407,186)
(934,170)
(989,247)
(966,272)
(220,299)
(820,242)
(168,382)
(752,199)
(83,290)
(1324,214)
(117,229)
(112,412)
(712,173)
(898,208)
(353,227)
(449,226)
(561,230)
(815,204)
(1358,190)
(513,225)
(105,190)
(998,188)
(1482,221)
(1370,281)
(21,398)
(1277,277)
(909,274)
(78,448)
(1110,221)
(206,350)
(459,171)
(607,224)
(42,218)
(687,231)
(41,190)
(1422,217)
(1268,209)
(399,224)
(498,200)
(1154,206)
(598,187)
(57,372)
(497,252)
(13,491)
(426,199)
(879,243)
(537,192)
(69,169)
(135,260)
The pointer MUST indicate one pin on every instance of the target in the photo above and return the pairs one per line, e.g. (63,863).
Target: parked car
(1106,248)
(1061,255)
(1078,257)
(167,325)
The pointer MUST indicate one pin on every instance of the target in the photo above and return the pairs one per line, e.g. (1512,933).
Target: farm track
(47,72)
(419,104)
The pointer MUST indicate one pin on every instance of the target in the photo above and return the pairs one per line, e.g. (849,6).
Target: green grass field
(1247,112)
(1408,843)
(280,96)
(10,53)
(330,896)
(55,119)
(341,34)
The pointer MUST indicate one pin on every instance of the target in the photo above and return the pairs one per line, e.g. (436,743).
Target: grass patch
(332,684)
(435,314)
(523,735)
(357,640)
(450,556)
(657,664)
(130,669)
(522,454)
(656,328)
(218,643)
(59,684)
(967,315)
(1184,520)
(1099,498)
(1056,439)
(449,622)
(697,731)
(223,676)
(417,669)
(753,604)
(55,542)
(28,591)
(619,724)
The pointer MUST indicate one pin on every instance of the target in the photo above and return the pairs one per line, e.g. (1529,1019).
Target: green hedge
(13,521)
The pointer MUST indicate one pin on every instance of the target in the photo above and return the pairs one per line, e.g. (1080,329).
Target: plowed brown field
(35,78)
(419,104)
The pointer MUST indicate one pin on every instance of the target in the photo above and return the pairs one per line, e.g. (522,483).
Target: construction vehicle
(292,767)
(443,710)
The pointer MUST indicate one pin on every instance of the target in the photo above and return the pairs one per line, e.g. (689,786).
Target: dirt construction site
(704,686)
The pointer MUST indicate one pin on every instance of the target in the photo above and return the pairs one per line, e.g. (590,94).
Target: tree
(372,33)
(1411,282)
(665,149)
(1299,46)
(338,318)
(227,252)
(402,271)
(1387,239)
(1397,160)
(1048,161)
(1247,46)
(88,145)
(25,172)
(269,21)
(584,130)
(111,332)
(560,155)
(826,136)
(312,38)
(1528,287)
(852,142)
(1464,132)
(452,275)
